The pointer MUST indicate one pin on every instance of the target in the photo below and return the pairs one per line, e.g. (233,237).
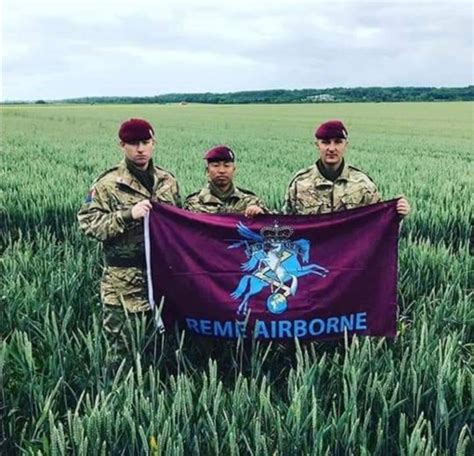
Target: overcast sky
(54,49)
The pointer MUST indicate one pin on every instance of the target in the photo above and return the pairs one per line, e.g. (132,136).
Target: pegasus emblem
(273,260)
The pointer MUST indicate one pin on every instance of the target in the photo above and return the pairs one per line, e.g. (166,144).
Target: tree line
(333,95)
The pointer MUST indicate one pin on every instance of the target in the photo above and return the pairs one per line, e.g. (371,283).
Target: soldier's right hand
(140,209)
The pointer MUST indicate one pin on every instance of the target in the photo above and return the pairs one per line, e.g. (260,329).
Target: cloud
(56,49)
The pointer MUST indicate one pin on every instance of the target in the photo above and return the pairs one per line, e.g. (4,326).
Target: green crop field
(61,394)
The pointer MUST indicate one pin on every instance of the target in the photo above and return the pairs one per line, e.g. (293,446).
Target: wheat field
(60,393)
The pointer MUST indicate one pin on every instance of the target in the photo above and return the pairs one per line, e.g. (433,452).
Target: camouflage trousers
(128,333)
(125,286)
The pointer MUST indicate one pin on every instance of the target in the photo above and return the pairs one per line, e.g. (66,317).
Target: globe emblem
(277,303)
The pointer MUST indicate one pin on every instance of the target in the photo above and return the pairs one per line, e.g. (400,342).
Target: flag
(275,276)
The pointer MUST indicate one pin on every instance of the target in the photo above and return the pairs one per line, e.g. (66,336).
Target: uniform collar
(223,196)
(328,173)
(146,177)
(345,173)
(321,180)
(207,196)
(125,177)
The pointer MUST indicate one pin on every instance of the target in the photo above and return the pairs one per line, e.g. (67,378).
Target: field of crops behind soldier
(59,391)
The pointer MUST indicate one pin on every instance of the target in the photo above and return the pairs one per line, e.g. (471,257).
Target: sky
(57,49)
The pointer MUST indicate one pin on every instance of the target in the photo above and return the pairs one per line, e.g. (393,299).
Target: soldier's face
(221,173)
(138,152)
(331,151)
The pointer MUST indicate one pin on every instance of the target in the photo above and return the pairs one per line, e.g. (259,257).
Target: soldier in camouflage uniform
(331,185)
(220,195)
(113,214)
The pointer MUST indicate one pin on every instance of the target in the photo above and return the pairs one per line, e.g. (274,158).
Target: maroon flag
(276,276)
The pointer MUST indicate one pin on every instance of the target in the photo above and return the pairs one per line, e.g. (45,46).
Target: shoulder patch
(90,195)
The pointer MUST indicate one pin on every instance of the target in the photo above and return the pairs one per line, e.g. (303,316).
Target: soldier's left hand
(403,207)
(252,211)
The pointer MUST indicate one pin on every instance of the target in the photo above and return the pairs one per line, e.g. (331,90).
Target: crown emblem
(276,232)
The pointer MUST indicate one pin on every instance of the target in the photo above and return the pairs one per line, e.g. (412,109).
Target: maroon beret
(331,129)
(219,153)
(133,130)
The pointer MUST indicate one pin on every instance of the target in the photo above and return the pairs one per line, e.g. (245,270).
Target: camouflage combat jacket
(311,193)
(107,216)
(206,201)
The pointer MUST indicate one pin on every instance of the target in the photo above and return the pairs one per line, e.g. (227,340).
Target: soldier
(113,213)
(331,185)
(220,195)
